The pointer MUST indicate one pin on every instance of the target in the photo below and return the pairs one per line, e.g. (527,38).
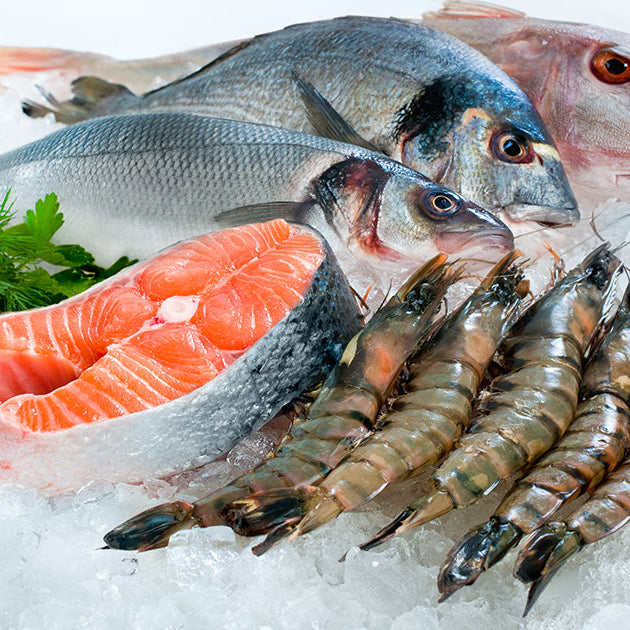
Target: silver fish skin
(563,69)
(130,185)
(291,358)
(414,93)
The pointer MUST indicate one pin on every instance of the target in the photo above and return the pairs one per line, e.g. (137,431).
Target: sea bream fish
(411,92)
(170,362)
(129,185)
(576,75)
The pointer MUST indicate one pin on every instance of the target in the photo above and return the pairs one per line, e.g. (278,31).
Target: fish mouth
(496,241)
(546,215)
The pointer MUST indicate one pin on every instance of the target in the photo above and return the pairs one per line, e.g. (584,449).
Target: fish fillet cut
(155,333)
(169,364)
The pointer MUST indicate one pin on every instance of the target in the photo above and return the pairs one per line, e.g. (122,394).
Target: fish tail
(91,97)
(152,528)
(15,59)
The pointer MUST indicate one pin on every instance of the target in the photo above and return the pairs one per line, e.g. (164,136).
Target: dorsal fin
(220,59)
(325,119)
(463,9)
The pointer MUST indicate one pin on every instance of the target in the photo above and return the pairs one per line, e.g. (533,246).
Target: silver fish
(129,185)
(413,93)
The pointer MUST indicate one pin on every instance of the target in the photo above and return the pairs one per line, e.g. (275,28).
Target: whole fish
(411,92)
(130,185)
(576,75)
(151,371)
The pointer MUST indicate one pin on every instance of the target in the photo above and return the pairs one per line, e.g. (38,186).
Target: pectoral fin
(258,213)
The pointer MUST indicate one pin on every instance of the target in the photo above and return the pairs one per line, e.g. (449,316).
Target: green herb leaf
(25,246)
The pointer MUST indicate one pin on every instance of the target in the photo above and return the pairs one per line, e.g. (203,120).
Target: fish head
(585,102)
(601,107)
(576,75)
(486,141)
(393,212)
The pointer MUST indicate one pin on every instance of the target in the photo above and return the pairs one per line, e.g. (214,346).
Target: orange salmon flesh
(154,332)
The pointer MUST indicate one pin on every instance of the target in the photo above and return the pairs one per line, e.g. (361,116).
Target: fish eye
(443,204)
(610,67)
(511,146)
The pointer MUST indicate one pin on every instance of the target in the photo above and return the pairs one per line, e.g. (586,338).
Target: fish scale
(130,185)
(416,94)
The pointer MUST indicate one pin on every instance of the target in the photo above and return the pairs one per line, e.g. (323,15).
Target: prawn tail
(481,548)
(416,514)
(319,510)
(266,511)
(282,513)
(152,528)
(389,531)
(542,554)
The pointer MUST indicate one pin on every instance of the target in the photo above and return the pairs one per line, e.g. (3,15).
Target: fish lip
(496,240)
(546,215)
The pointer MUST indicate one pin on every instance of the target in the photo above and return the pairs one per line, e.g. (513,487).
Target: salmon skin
(129,185)
(411,92)
(171,362)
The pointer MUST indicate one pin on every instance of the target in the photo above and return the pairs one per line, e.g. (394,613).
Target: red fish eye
(443,204)
(510,146)
(611,67)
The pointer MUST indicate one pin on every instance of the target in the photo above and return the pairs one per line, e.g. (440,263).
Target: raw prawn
(546,549)
(425,422)
(595,443)
(530,406)
(343,413)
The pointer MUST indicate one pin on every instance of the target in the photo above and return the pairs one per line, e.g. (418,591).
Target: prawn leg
(532,404)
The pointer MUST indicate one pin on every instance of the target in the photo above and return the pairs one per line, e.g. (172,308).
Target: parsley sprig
(26,246)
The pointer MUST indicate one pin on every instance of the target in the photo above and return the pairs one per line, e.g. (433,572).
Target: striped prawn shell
(443,382)
(530,406)
(595,442)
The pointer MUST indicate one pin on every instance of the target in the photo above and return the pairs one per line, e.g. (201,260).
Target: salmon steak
(172,361)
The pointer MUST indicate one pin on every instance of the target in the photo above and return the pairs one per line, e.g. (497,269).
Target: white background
(143,28)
